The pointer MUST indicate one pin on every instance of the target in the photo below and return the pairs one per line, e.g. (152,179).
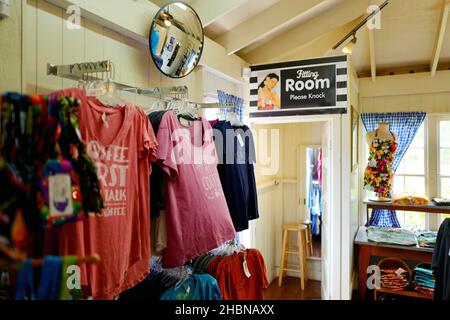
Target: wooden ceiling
(414,34)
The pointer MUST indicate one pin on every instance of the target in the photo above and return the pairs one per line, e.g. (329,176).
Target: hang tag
(241,141)
(105,120)
(60,195)
(78,133)
(246,271)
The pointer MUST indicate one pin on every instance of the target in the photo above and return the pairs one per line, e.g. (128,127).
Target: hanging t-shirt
(157,181)
(236,283)
(236,153)
(197,218)
(122,144)
(196,287)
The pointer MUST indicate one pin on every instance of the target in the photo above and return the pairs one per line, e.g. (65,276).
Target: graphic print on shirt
(112,167)
(210,182)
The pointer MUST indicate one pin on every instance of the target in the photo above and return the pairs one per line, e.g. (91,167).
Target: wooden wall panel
(49,45)
(29,55)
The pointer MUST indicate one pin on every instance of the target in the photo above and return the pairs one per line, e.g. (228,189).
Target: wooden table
(431,208)
(369,249)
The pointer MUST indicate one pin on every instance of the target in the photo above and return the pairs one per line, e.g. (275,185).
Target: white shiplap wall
(46,39)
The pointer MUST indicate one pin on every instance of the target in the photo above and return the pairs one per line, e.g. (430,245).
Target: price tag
(241,141)
(105,120)
(246,271)
(60,195)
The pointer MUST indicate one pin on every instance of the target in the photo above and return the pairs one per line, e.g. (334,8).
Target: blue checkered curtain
(405,125)
(229,98)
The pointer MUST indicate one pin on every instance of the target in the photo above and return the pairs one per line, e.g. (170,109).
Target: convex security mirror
(176,39)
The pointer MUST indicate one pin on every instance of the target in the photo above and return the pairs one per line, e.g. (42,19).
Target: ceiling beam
(440,38)
(265,23)
(212,10)
(373,64)
(320,46)
(308,31)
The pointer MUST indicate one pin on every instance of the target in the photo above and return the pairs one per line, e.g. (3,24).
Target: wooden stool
(308,224)
(301,251)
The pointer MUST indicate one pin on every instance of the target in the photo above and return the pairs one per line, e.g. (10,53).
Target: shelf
(406,293)
(431,208)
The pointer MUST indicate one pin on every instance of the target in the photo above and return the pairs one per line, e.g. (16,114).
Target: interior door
(325,231)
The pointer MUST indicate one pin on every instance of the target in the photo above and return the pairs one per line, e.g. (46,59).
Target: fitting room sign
(315,86)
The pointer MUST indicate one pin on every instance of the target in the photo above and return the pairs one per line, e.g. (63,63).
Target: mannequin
(383,132)
(379,175)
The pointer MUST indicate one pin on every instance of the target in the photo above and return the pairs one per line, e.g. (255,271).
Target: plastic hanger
(232,118)
(105,90)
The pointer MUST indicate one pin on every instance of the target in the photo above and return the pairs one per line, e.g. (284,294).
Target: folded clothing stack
(427,239)
(423,279)
(394,279)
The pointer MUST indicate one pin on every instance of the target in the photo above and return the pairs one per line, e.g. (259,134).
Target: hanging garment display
(379,175)
(236,154)
(315,189)
(187,155)
(122,144)
(47,177)
(241,276)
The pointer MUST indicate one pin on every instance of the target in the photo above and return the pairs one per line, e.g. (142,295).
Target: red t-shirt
(235,284)
(122,150)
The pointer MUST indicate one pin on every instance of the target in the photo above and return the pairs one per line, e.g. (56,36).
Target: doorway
(310,178)
(284,201)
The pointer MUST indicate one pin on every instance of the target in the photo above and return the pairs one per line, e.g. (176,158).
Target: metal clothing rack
(91,71)
(16,257)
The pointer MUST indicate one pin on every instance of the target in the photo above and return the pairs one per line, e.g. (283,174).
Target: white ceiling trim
(279,16)
(440,38)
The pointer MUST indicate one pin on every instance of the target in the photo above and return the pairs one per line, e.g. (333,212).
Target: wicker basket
(388,267)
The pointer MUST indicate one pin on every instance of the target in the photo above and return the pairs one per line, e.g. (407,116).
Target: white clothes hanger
(232,118)
(105,90)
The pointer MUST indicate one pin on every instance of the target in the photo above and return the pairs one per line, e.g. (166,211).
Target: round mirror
(176,39)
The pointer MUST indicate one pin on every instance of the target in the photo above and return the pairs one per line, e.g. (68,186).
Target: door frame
(333,292)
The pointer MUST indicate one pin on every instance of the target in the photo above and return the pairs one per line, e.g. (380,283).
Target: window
(410,177)
(444,161)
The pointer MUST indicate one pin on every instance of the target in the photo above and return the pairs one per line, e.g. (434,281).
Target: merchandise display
(379,175)
(409,200)
(392,236)
(189,154)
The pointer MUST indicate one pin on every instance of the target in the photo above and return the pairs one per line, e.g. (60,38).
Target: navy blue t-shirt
(236,171)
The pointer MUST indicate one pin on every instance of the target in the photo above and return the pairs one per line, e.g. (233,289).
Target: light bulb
(348,49)
(167,23)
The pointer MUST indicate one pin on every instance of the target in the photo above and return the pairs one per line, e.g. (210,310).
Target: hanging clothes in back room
(315,189)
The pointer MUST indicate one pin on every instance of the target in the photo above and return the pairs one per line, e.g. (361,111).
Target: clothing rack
(18,257)
(99,70)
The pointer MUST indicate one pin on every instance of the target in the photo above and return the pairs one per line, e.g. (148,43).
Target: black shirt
(157,182)
(236,172)
(441,262)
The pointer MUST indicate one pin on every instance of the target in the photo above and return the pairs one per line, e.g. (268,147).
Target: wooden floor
(291,290)
(317,248)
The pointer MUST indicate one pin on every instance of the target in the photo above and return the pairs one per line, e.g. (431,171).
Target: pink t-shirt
(197,215)
(122,150)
